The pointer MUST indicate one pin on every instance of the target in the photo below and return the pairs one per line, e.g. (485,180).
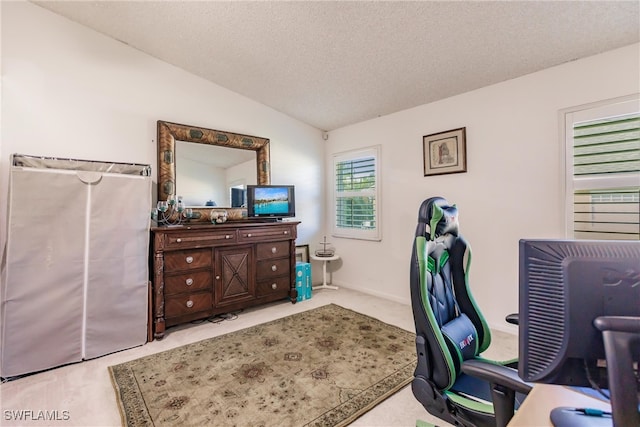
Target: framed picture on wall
(445,152)
(302,253)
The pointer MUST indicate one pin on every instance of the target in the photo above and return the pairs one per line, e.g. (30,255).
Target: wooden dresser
(203,270)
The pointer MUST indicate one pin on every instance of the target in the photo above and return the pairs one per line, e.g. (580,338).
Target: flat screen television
(564,286)
(271,201)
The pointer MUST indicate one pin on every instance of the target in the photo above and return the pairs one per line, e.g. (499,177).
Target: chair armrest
(513,318)
(496,374)
(628,324)
(621,336)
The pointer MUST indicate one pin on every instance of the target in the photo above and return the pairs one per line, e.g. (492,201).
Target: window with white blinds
(603,171)
(357,194)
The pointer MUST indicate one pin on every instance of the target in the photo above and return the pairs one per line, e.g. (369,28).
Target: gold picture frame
(445,152)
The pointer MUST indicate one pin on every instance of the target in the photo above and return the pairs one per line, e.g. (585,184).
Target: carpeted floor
(322,367)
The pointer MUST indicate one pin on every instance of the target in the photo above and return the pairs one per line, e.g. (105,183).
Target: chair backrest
(444,311)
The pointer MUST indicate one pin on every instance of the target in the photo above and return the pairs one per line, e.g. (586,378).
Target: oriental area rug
(322,367)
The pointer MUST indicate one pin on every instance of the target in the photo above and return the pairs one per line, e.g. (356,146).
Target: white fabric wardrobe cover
(76,270)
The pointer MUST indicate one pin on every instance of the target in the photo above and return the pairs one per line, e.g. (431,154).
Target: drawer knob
(217,277)
(179,240)
(189,281)
(249,235)
(189,303)
(189,259)
(227,236)
(274,286)
(286,232)
(274,250)
(274,267)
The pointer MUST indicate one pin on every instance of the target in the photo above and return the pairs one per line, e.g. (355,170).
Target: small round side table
(325,260)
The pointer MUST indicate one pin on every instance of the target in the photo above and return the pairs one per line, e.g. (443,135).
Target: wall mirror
(203,165)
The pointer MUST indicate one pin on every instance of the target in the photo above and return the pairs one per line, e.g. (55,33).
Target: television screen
(276,201)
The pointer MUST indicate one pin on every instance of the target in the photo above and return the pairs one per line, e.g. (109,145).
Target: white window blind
(604,172)
(357,194)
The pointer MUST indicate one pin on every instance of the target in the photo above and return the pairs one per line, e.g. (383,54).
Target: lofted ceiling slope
(334,63)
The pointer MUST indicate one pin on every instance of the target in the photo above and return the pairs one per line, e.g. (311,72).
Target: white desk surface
(534,411)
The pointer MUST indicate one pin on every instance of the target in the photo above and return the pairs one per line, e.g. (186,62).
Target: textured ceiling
(334,63)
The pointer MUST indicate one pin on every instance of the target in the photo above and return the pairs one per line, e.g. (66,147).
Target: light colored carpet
(324,367)
(85,391)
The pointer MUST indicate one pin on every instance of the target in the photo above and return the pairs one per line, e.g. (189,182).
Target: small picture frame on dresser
(302,253)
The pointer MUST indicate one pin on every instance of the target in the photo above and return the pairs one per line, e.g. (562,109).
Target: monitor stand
(565,416)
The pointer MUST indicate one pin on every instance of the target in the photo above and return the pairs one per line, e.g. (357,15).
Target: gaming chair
(451,380)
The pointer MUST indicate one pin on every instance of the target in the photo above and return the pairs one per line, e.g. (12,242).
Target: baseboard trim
(394,298)
(505,327)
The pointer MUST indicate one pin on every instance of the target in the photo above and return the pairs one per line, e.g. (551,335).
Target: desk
(325,260)
(534,411)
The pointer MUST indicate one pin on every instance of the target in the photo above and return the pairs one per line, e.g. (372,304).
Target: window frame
(570,116)
(374,234)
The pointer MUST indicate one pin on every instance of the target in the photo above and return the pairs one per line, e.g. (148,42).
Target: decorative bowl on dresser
(204,270)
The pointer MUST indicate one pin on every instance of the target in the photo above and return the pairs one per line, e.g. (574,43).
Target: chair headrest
(439,217)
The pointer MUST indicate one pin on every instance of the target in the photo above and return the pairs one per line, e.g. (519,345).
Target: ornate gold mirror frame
(169,133)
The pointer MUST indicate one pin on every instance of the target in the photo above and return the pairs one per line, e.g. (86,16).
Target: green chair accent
(420,423)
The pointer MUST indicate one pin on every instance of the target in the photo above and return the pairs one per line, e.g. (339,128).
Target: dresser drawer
(200,239)
(260,234)
(188,282)
(273,268)
(273,250)
(180,305)
(277,285)
(187,259)
(200,269)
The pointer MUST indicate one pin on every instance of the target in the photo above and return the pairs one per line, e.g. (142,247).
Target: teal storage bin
(303,280)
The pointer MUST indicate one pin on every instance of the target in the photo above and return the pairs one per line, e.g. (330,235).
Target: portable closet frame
(75,277)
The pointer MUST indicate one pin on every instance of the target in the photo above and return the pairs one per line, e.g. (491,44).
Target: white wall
(68,91)
(200,182)
(513,187)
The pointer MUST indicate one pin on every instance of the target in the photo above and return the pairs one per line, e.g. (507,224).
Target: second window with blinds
(356,194)
(603,171)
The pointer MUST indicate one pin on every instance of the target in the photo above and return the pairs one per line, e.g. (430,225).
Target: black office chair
(451,380)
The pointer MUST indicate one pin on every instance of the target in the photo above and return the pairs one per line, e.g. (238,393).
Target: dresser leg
(159,329)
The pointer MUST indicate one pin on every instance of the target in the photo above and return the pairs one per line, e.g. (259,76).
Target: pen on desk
(592,412)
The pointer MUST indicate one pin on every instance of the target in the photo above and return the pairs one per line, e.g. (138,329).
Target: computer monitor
(564,286)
